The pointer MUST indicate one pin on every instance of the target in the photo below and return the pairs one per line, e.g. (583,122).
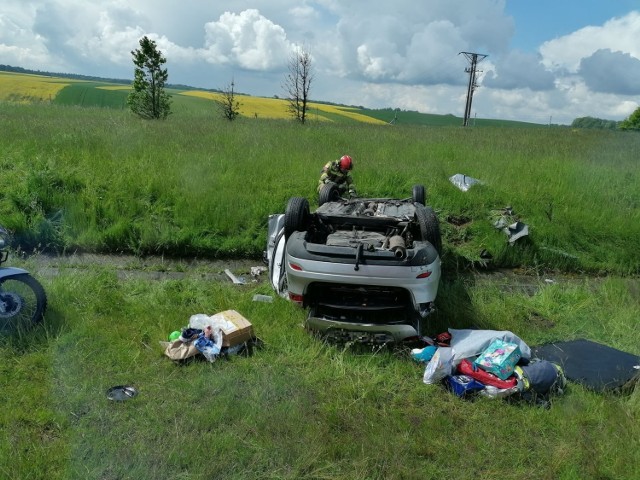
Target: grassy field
(102,180)
(297,408)
(194,186)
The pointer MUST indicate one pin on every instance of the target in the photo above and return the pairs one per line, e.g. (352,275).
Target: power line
(474,59)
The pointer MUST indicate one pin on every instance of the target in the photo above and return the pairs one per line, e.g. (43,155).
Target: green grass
(297,408)
(86,94)
(102,180)
(196,186)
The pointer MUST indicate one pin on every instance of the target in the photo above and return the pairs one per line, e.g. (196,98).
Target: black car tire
(429,226)
(330,192)
(418,194)
(296,216)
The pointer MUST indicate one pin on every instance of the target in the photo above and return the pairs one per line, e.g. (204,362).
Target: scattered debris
(507,221)
(463,182)
(234,279)
(262,298)
(121,393)
(257,271)
(225,333)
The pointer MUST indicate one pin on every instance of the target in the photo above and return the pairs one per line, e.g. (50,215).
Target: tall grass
(103,180)
(297,408)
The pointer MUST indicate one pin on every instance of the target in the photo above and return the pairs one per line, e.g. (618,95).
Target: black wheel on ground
(429,226)
(296,216)
(330,192)
(23,301)
(418,194)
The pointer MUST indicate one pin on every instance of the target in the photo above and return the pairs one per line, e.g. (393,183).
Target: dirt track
(151,268)
(160,268)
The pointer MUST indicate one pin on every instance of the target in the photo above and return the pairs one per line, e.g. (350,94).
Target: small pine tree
(149,99)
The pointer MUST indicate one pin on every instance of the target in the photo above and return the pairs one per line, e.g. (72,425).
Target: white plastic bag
(470,343)
(440,365)
(217,321)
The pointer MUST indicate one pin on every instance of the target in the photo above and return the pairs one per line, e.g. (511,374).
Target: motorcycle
(23,300)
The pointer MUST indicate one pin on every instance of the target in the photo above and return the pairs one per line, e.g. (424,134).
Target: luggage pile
(495,364)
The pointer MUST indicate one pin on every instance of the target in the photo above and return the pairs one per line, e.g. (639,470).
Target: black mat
(592,364)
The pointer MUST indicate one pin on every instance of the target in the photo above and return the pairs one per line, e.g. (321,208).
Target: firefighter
(339,172)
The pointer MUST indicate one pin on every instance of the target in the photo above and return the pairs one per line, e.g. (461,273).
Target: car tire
(296,216)
(429,226)
(418,194)
(330,192)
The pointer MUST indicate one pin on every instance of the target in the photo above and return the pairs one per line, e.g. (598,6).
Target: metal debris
(507,221)
(234,279)
(463,182)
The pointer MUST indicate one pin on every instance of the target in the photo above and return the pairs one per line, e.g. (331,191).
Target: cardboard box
(500,358)
(241,331)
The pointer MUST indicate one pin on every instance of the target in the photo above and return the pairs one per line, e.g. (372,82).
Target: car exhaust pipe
(397,246)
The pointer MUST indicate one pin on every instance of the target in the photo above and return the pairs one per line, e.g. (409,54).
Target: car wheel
(418,194)
(429,226)
(296,216)
(330,192)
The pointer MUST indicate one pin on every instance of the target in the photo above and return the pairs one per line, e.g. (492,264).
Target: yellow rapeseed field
(249,106)
(346,112)
(261,107)
(25,88)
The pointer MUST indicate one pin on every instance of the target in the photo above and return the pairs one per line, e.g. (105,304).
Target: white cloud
(247,40)
(618,34)
(415,43)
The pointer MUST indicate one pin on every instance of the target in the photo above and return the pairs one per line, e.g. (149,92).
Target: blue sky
(546,59)
(540,20)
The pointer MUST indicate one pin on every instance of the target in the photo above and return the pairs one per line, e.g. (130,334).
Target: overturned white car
(368,269)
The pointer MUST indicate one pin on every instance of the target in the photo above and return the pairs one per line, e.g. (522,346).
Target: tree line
(630,123)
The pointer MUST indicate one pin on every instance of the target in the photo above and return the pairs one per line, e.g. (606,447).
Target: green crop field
(100,180)
(90,94)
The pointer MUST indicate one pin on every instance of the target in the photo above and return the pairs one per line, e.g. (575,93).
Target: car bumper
(360,332)
(420,281)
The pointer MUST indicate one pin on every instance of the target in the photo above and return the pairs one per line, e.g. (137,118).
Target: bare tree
(298,83)
(228,105)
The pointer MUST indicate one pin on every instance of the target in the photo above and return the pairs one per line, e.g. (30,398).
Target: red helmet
(345,162)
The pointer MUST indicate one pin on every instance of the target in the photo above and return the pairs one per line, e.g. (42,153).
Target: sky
(546,61)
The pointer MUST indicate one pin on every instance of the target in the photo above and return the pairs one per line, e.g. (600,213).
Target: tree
(148,99)
(633,122)
(298,83)
(591,122)
(228,105)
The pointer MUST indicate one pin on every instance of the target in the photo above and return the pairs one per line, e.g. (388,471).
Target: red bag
(443,339)
(486,378)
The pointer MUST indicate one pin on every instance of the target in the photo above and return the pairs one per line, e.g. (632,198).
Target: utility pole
(474,59)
